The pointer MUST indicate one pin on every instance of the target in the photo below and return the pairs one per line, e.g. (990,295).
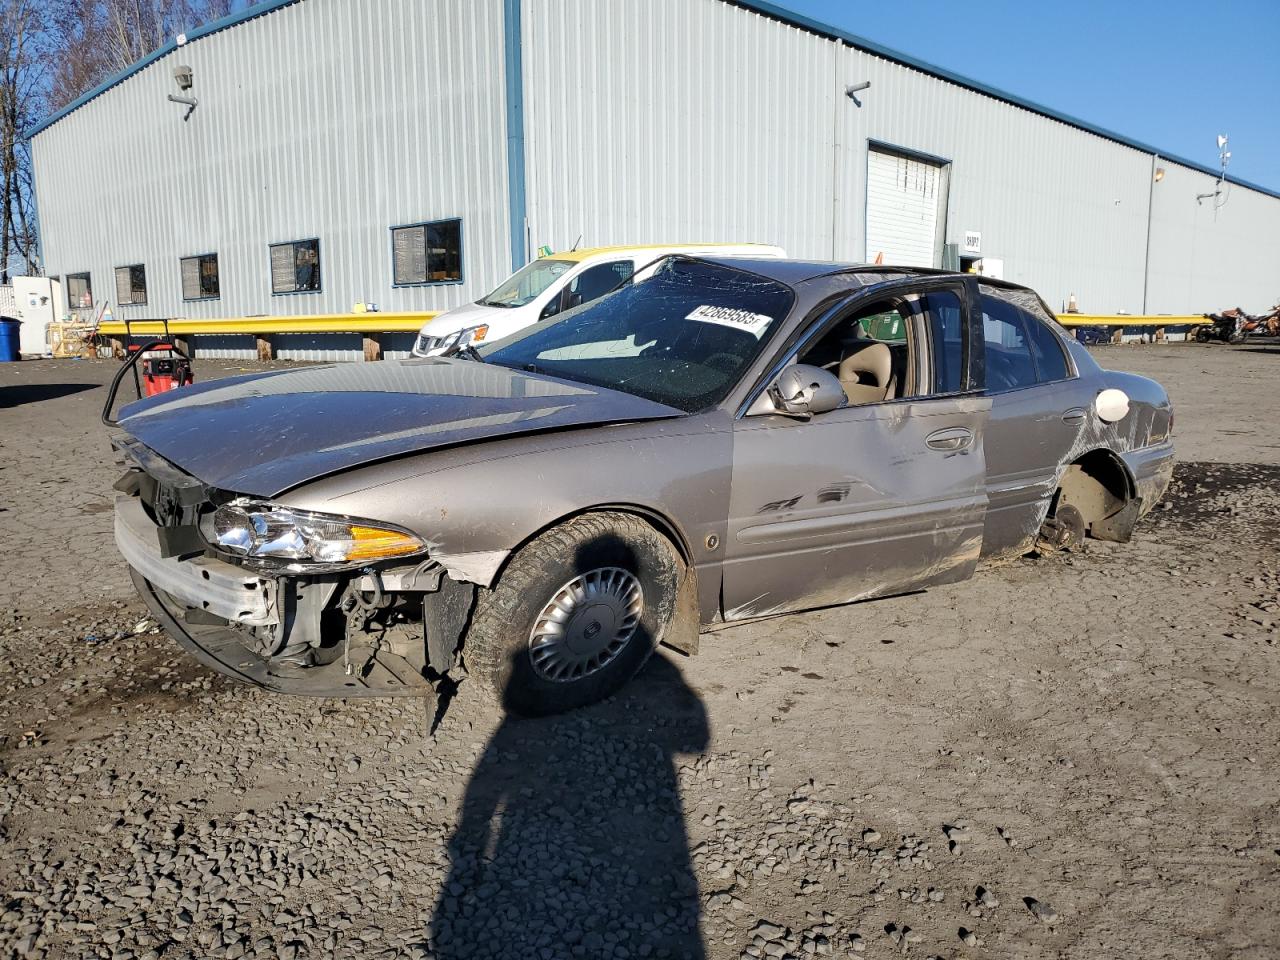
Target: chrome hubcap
(586,624)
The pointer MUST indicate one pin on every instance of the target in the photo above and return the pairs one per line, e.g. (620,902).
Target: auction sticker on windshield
(752,323)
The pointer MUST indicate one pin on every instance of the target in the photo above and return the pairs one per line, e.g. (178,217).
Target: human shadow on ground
(571,841)
(15,395)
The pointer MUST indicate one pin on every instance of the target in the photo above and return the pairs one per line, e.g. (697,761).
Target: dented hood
(265,433)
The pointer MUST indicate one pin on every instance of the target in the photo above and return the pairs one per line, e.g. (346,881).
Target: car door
(873,498)
(1038,409)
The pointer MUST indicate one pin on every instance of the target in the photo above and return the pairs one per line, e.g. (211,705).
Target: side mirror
(803,391)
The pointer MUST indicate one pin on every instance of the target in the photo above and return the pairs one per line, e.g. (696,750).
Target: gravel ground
(1068,757)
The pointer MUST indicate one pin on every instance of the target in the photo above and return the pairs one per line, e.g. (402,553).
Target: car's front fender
(476,503)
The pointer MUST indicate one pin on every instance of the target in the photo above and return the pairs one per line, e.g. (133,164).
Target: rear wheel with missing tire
(1093,500)
(1065,530)
(575,615)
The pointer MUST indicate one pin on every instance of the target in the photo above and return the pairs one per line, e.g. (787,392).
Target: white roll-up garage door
(904,196)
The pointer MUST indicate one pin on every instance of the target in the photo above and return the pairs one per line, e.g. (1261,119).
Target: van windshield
(683,336)
(524,285)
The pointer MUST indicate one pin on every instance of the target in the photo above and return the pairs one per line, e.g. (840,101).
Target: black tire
(496,650)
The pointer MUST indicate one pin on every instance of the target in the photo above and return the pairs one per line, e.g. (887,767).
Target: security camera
(182,77)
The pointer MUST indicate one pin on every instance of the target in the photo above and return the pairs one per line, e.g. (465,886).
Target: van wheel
(575,615)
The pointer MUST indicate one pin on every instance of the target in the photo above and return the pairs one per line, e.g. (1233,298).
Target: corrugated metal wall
(1215,253)
(1064,209)
(676,120)
(324,119)
(655,121)
(700,120)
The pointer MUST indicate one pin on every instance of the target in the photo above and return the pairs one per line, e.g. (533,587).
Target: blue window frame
(295,266)
(79,291)
(131,285)
(424,253)
(200,277)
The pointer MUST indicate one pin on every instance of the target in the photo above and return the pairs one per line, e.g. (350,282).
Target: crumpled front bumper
(214,586)
(205,604)
(219,648)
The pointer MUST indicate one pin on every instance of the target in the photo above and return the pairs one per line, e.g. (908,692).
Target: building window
(427,252)
(200,277)
(131,284)
(79,291)
(295,267)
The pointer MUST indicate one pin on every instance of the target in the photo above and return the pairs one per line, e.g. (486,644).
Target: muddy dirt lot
(1068,757)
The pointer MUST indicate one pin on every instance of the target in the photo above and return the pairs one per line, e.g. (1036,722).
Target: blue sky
(1171,73)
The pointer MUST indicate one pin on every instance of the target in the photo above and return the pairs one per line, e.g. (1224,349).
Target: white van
(553,284)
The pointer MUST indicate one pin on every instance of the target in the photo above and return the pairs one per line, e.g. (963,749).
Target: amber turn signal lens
(372,543)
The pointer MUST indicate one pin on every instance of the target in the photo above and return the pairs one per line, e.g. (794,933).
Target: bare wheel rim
(586,624)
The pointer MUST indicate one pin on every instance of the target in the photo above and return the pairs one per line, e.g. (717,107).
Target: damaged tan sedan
(720,439)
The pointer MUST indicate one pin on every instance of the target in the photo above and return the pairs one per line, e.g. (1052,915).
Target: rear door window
(1046,350)
(1009,363)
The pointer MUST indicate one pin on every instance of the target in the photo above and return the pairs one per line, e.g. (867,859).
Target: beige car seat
(866,373)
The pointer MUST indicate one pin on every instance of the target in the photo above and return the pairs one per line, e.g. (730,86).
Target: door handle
(950,438)
(1074,415)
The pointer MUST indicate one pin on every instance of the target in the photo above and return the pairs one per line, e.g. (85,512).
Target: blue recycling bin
(9,346)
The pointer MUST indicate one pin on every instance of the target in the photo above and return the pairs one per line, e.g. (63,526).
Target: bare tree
(80,63)
(98,38)
(23,38)
(52,51)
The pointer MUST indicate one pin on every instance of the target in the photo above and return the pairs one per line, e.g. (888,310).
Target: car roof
(656,249)
(798,271)
(793,272)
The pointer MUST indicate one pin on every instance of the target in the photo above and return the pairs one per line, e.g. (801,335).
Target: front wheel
(575,615)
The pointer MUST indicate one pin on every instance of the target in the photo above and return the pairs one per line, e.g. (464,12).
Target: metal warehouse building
(410,153)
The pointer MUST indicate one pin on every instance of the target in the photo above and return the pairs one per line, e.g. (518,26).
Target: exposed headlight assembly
(304,542)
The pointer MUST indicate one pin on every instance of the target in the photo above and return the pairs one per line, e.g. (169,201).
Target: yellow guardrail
(370,325)
(411,322)
(315,323)
(1125,320)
